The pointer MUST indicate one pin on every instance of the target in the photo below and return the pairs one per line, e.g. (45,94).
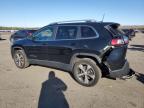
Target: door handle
(44,43)
(85,46)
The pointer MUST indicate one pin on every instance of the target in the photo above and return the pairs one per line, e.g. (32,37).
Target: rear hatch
(116,57)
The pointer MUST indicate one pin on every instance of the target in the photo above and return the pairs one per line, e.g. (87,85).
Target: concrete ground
(32,87)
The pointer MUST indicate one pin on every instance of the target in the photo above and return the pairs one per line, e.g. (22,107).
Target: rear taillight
(120,41)
(117,42)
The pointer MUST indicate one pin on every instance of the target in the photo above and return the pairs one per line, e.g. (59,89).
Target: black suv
(87,49)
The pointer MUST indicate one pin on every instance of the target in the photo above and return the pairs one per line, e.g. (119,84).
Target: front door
(39,46)
(59,48)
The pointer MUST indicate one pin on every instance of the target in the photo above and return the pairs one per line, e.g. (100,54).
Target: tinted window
(45,34)
(66,32)
(87,32)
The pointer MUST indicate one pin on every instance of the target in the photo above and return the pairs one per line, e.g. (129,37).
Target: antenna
(103,17)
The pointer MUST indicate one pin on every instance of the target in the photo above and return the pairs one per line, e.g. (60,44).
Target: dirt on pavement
(32,87)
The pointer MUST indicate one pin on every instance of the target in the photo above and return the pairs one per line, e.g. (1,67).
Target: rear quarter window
(87,32)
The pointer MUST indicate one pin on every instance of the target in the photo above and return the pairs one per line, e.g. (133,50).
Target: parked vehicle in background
(129,32)
(137,31)
(142,31)
(21,34)
(0,37)
(87,49)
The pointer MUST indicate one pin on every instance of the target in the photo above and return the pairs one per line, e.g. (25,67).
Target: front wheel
(86,72)
(20,59)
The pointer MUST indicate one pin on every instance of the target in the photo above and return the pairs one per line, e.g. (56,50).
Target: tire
(20,59)
(86,72)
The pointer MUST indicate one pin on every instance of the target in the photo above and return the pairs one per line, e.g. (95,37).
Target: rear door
(65,43)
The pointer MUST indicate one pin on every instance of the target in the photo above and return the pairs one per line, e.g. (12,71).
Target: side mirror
(29,34)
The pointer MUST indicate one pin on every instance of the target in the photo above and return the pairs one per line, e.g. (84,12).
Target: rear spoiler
(114,25)
(111,27)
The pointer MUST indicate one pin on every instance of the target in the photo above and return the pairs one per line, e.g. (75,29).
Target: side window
(66,32)
(87,32)
(45,34)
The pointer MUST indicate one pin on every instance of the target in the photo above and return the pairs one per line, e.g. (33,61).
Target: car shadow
(51,95)
(2,39)
(139,76)
(137,48)
(46,66)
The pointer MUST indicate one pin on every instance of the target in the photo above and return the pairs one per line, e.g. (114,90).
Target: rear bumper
(120,72)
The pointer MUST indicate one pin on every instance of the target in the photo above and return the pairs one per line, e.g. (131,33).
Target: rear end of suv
(86,49)
(116,59)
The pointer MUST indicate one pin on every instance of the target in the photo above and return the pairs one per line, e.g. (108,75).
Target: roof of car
(85,23)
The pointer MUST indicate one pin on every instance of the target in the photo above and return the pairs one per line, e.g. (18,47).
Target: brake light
(120,41)
(117,42)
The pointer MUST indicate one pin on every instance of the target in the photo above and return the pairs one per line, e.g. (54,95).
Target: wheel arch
(16,47)
(77,56)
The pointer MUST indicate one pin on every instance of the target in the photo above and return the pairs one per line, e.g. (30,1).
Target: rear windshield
(114,30)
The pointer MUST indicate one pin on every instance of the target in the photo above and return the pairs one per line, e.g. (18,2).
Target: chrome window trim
(78,33)
(79,37)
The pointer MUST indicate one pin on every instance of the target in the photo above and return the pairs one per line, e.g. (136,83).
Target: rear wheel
(86,72)
(20,59)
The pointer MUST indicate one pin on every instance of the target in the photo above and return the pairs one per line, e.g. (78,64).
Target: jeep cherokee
(87,49)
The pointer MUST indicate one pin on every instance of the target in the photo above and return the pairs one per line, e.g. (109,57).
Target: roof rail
(74,21)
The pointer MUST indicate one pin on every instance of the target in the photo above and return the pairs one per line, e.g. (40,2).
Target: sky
(38,13)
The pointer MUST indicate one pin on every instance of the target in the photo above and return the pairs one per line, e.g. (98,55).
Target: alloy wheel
(19,59)
(85,73)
